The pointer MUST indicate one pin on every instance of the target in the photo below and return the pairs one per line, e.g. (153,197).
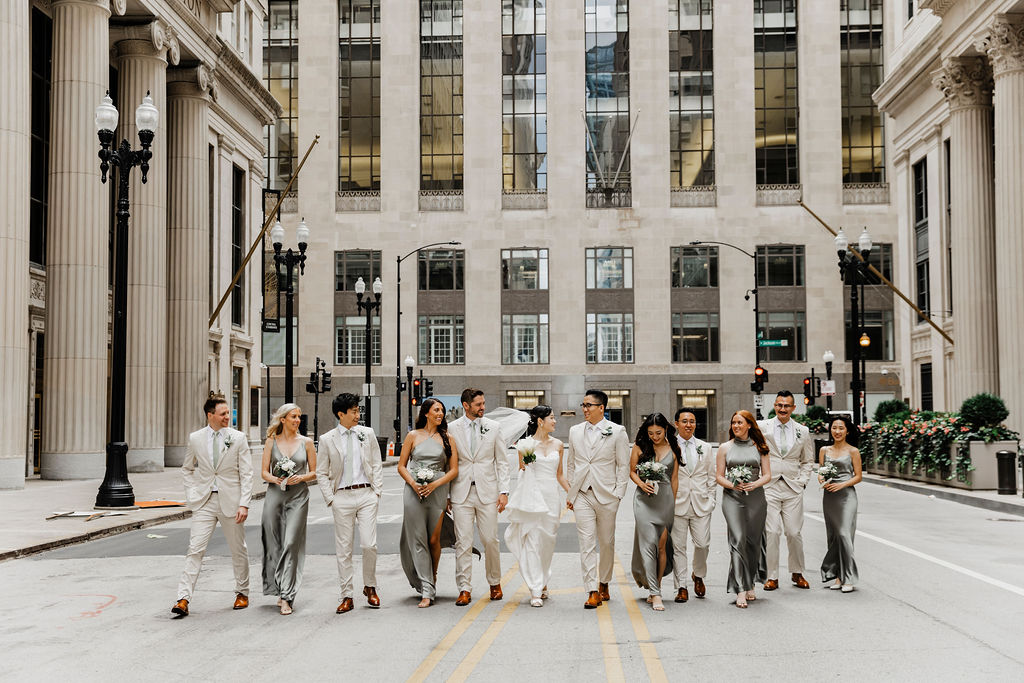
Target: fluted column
(188,249)
(1003,42)
(77,261)
(965,83)
(14,236)
(142,53)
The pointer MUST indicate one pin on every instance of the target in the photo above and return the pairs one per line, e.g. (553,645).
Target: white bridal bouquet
(527,448)
(424,475)
(652,472)
(741,474)
(828,471)
(284,468)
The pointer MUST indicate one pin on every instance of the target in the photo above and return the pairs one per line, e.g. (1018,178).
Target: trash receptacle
(1007,473)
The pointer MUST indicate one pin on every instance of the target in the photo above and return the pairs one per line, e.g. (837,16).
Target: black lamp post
(116,491)
(285,264)
(829,358)
(368,307)
(398,339)
(852,270)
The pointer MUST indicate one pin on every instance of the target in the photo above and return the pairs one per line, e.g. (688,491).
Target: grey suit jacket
(606,464)
(794,468)
(233,474)
(487,468)
(330,461)
(698,485)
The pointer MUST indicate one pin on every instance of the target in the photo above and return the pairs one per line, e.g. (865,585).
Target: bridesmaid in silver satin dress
(654,506)
(423,505)
(744,504)
(285,509)
(839,505)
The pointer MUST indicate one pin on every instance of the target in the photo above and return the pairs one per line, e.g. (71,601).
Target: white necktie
(346,472)
(784,439)
(216,449)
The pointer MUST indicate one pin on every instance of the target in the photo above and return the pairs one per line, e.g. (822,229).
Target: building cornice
(917,65)
(234,75)
(938,7)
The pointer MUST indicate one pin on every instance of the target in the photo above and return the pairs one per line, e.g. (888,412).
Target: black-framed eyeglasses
(590,405)
(785,405)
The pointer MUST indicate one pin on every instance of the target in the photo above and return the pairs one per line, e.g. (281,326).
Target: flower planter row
(983,458)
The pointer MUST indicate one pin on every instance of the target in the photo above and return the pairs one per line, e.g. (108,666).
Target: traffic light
(311,384)
(326,384)
(809,390)
(760,378)
(428,387)
(417,391)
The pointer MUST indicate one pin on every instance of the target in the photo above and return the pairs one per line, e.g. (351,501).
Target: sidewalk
(989,500)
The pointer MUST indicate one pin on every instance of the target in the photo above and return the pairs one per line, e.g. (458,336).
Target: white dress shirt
(350,443)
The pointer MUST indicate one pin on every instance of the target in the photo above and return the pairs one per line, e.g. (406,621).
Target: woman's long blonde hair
(276,424)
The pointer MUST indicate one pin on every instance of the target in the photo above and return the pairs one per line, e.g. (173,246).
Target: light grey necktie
(346,472)
(472,437)
(784,441)
(216,449)
(688,455)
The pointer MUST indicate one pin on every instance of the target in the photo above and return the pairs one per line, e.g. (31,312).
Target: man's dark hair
(343,403)
(599,396)
(211,404)
(785,393)
(469,394)
(685,410)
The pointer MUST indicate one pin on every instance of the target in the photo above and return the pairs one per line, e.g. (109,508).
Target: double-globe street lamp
(853,265)
(116,491)
(285,265)
(398,338)
(368,307)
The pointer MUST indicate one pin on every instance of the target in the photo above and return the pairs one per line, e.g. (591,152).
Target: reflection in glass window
(524,268)
(694,266)
(775,92)
(524,338)
(780,265)
(607,83)
(922,267)
(440,94)
(791,328)
(281,76)
(442,339)
(861,73)
(350,340)
(609,337)
(442,269)
(353,264)
(359,95)
(879,327)
(695,337)
(610,268)
(524,95)
(691,93)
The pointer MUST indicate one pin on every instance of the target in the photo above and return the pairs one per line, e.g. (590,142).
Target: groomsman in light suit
(695,501)
(791,448)
(478,494)
(350,476)
(597,467)
(218,488)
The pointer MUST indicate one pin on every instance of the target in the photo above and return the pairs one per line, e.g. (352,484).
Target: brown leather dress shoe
(241,602)
(371,596)
(180,608)
(682,595)
(593,600)
(800,582)
(345,606)
(771,584)
(602,588)
(698,586)
(464,599)
(496,593)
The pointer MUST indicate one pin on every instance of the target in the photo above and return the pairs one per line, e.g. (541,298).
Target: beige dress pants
(204,520)
(484,516)
(352,508)
(785,515)
(698,528)
(595,525)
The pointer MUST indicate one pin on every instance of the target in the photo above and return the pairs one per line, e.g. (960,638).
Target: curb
(954,496)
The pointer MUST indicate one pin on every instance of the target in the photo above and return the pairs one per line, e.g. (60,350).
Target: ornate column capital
(1003,42)
(964,82)
(155,39)
(196,81)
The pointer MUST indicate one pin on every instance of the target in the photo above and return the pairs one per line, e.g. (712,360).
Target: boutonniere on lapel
(484,430)
(700,450)
(606,432)
(361,437)
(227,442)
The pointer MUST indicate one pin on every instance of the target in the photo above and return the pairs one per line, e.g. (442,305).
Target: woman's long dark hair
(755,432)
(852,433)
(537,413)
(442,428)
(647,446)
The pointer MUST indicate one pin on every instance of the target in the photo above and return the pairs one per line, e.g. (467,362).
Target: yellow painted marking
(452,637)
(610,648)
(651,660)
(469,663)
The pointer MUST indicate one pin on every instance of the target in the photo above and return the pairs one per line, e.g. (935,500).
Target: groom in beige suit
(695,501)
(791,447)
(218,488)
(350,476)
(478,494)
(597,467)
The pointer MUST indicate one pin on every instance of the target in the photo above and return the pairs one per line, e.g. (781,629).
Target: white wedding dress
(534,510)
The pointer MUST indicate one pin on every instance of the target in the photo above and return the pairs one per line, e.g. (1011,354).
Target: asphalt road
(940,598)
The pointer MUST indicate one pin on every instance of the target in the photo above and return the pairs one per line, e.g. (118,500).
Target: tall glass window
(237,244)
(524,268)
(440,94)
(524,338)
(281,76)
(791,328)
(42,48)
(780,265)
(694,266)
(524,136)
(442,339)
(691,93)
(607,103)
(922,267)
(610,268)
(776,112)
(353,264)
(861,60)
(609,337)
(359,95)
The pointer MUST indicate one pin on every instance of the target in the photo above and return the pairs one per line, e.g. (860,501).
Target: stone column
(14,237)
(188,256)
(1004,44)
(77,260)
(142,53)
(965,83)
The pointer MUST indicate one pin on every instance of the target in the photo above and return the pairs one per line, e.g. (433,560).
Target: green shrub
(816,412)
(983,410)
(890,410)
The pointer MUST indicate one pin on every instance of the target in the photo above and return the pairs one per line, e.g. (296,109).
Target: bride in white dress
(536,504)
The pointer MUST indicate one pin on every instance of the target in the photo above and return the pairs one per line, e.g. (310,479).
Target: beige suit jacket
(487,468)
(698,485)
(233,475)
(794,468)
(606,464)
(330,461)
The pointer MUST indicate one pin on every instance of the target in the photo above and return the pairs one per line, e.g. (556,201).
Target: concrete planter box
(984,476)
